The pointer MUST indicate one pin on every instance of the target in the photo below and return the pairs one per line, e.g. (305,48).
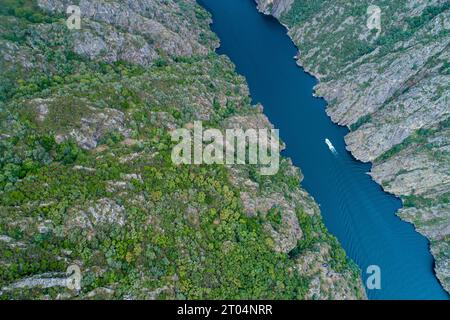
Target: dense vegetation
(345,33)
(170,231)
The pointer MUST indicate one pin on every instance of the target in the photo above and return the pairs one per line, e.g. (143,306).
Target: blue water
(354,208)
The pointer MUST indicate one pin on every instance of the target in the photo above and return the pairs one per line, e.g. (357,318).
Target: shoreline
(309,72)
(216,48)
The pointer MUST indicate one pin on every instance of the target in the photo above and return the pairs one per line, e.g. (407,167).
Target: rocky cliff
(391,87)
(86,176)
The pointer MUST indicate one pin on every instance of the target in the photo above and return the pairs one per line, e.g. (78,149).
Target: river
(354,208)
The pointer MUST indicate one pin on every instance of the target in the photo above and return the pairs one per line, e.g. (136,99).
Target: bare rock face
(47,280)
(420,175)
(86,124)
(92,129)
(325,279)
(314,262)
(289,233)
(99,41)
(133,30)
(392,88)
(274,7)
(433,223)
(103,212)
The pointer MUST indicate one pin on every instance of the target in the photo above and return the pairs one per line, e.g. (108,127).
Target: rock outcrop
(86,176)
(391,87)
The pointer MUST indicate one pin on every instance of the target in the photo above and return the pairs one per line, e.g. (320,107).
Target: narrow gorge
(392,90)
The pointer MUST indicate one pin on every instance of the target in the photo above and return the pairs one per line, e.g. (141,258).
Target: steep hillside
(392,89)
(86,176)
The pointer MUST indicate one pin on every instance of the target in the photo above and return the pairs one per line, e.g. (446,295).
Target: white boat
(330,146)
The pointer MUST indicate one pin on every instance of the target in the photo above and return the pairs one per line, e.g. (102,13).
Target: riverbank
(357,211)
(376,135)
